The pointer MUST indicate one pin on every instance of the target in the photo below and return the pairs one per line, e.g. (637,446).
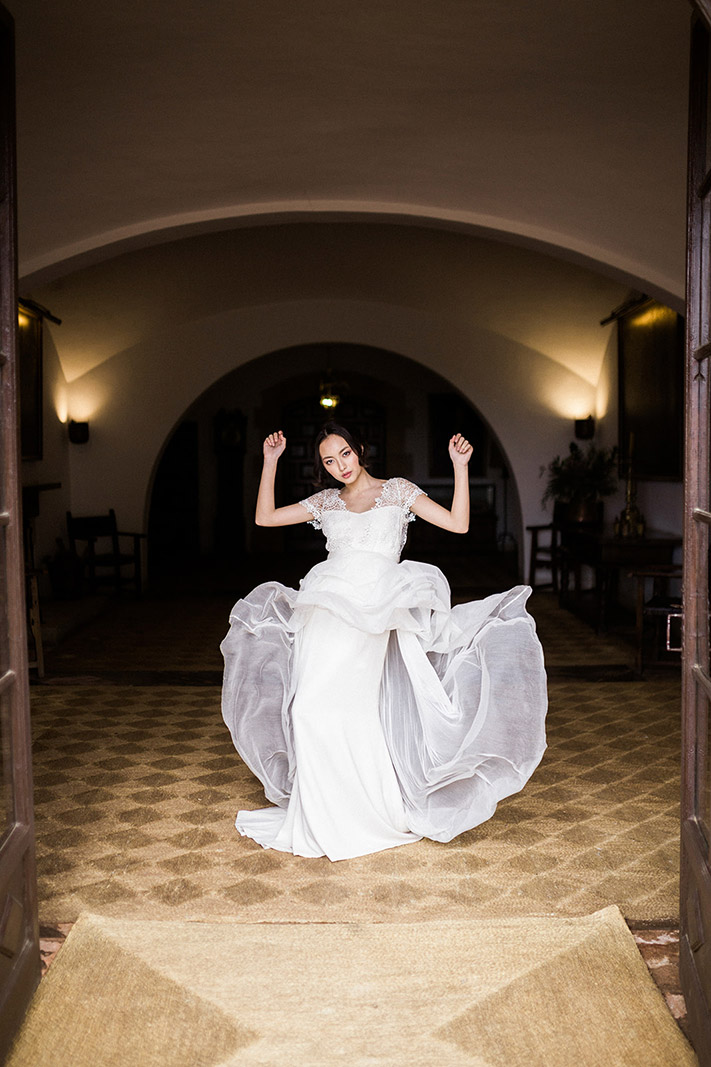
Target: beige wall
(139,396)
(146,334)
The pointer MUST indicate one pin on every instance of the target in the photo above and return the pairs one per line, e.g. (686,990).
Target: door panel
(695,888)
(19,942)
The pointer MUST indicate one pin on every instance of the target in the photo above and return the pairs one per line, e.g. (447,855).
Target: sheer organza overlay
(372,711)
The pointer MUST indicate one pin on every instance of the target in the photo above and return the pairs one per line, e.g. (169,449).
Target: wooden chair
(663,608)
(35,652)
(102,556)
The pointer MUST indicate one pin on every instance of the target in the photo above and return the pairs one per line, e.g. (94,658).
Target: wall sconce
(78,432)
(585,428)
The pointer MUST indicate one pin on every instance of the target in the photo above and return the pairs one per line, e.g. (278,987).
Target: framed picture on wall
(651,391)
(29,343)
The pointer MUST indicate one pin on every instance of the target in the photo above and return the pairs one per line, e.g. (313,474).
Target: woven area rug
(507,993)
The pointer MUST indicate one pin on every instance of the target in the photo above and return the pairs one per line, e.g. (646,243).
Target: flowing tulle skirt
(375,714)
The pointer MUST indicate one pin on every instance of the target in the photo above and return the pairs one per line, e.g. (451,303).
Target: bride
(372,712)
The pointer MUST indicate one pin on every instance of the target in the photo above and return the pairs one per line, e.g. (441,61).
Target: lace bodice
(383,528)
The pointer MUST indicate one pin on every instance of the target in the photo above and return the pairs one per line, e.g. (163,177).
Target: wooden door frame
(19,933)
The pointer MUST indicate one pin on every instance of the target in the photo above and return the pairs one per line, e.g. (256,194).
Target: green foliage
(581,475)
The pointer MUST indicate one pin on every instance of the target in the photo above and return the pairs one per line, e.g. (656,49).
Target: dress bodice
(381,529)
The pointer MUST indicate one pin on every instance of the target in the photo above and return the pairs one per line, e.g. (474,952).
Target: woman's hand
(274,445)
(460,451)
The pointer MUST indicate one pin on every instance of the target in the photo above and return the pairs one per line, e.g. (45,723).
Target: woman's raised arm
(456,520)
(267,514)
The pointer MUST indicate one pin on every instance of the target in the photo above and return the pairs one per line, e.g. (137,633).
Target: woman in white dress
(372,711)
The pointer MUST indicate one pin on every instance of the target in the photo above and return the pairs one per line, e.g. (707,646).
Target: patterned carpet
(137,785)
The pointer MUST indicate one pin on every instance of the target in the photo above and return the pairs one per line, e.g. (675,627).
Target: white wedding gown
(373,712)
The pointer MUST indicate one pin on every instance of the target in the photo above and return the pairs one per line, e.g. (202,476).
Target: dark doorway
(229,433)
(202,509)
(174,520)
(302,421)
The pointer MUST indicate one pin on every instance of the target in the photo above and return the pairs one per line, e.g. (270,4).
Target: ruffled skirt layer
(374,713)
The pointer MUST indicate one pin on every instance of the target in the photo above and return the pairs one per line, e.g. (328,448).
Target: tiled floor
(161,655)
(660,951)
(136,787)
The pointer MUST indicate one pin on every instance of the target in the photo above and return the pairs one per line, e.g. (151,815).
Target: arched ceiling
(563,124)
(540,302)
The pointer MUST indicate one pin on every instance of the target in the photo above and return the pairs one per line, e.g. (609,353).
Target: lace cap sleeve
(407,493)
(318,503)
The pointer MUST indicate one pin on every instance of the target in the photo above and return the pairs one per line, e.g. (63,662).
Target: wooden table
(607,555)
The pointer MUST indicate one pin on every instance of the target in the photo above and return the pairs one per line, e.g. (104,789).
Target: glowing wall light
(567,397)
(85,400)
(61,402)
(602,401)
(651,316)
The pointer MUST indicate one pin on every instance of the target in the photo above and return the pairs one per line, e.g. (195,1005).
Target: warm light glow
(569,399)
(602,401)
(654,314)
(61,405)
(22,319)
(85,400)
(329,398)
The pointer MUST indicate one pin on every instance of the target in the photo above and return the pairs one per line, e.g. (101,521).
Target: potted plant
(578,481)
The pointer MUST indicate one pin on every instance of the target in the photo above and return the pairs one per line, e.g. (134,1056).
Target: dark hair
(322,479)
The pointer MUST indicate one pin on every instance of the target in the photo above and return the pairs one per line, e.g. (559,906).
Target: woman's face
(339,459)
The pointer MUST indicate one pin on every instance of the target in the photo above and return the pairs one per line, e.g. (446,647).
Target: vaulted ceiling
(556,124)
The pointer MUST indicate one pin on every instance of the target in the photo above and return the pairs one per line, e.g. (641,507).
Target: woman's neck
(362,486)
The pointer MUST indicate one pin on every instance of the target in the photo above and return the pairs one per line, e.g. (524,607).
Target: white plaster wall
(144,335)
(535,300)
(134,399)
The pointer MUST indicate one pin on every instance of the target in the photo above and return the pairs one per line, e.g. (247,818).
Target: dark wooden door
(695,890)
(19,943)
